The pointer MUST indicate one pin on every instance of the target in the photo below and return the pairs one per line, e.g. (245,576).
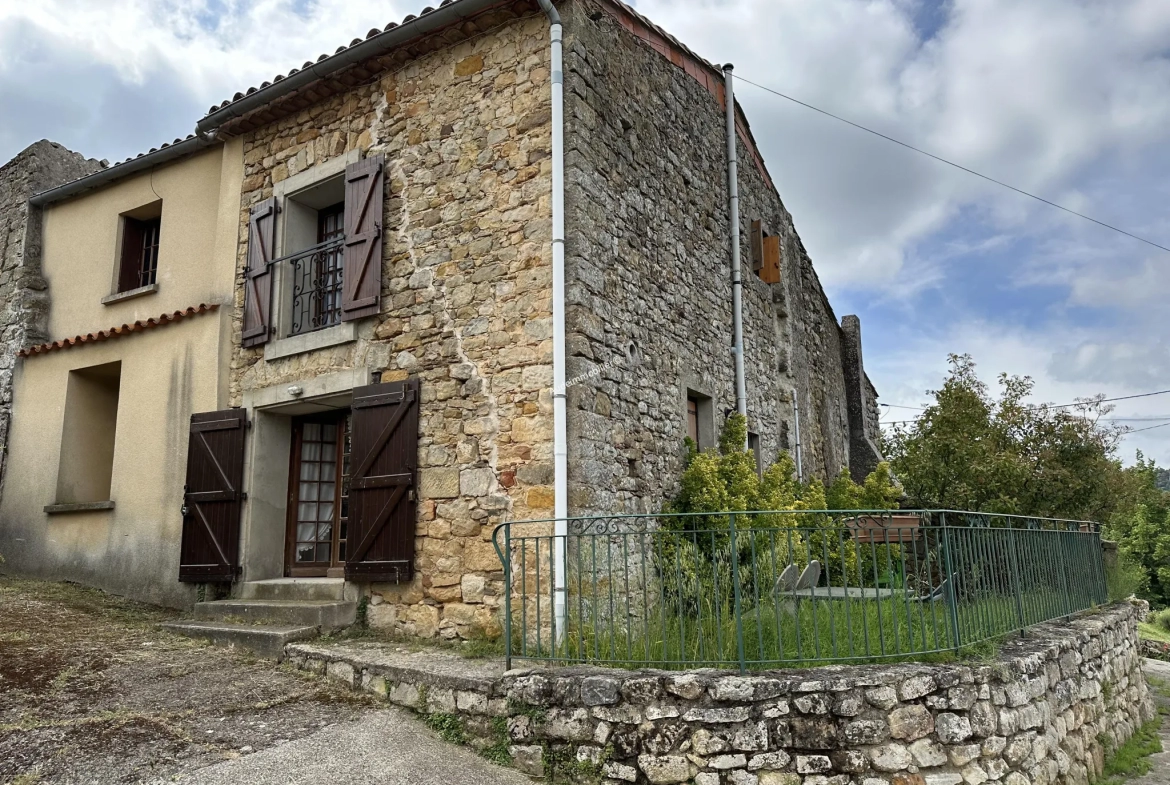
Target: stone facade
(466,297)
(649,283)
(24,297)
(1045,712)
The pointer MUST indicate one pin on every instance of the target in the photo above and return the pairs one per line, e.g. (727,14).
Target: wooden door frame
(291,499)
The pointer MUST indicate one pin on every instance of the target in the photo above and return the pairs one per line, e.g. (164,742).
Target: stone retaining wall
(1047,710)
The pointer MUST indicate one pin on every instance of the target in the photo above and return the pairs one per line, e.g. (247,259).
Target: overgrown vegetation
(971,451)
(448,726)
(1132,759)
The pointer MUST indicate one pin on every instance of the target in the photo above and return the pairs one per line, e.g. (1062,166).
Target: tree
(969,451)
(1141,526)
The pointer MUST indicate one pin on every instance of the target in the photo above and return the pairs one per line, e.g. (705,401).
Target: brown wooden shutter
(757,239)
(384,457)
(211,498)
(365,186)
(258,275)
(131,260)
(770,271)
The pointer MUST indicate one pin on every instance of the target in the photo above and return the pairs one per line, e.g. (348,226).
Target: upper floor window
(327,224)
(138,260)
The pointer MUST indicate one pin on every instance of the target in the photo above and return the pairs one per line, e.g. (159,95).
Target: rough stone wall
(466,297)
(24,295)
(1041,714)
(649,285)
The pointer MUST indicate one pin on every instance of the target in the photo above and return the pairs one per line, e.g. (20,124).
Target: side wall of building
(161,376)
(23,297)
(649,285)
(465,306)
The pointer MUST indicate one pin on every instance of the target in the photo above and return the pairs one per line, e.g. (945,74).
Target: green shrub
(1162,619)
(1124,578)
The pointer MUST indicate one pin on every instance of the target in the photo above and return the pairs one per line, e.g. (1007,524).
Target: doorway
(318,495)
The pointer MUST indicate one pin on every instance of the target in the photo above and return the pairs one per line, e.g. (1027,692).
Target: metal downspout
(733,210)
(560,415)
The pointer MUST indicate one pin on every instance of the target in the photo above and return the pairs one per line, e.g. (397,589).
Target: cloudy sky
(1068,99)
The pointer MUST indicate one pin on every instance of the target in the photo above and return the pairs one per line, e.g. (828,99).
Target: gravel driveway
(91,691)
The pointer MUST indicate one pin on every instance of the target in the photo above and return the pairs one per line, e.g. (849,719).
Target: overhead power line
(1152,427)
(952,163)
(1055,405)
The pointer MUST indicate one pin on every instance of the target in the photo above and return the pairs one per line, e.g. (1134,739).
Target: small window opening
(700,420)
(314,239)
(141,233)
(86,465)
(754,447)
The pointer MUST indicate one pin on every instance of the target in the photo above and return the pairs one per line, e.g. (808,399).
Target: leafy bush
(697,559)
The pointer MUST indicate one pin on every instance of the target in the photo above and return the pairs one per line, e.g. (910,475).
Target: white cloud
(1066,98)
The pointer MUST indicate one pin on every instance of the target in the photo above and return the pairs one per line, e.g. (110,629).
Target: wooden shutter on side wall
(770,269)
(757,239)
(384,457)
(212,497)
(365,186)
(258,274)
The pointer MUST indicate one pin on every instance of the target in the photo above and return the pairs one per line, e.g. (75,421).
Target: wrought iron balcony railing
(316,286)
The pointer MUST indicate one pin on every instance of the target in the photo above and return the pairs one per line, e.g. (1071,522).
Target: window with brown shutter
(765,253)
(258,274)
(365,187)
(138,255)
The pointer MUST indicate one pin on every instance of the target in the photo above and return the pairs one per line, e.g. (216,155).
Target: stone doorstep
(429,667)
(326,614)
(265,640)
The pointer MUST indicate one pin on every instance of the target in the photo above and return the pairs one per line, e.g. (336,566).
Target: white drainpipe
(736,282)
(560,416)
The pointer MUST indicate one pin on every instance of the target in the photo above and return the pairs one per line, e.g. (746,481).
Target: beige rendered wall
(167,373)
(200,201)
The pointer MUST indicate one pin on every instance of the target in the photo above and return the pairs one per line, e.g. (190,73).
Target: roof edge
(435,20)
(192,144)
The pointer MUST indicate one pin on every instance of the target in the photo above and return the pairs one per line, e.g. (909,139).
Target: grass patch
(1132,759)
(782,632)
(448,726)
(497,752)
(1152,632)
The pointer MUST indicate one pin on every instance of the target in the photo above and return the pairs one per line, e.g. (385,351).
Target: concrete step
(297,589)
(326,614)
(265,640)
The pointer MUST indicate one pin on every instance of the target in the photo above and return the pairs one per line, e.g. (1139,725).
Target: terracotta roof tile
(119,332)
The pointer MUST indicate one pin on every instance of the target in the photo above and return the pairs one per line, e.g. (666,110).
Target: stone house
(477,278)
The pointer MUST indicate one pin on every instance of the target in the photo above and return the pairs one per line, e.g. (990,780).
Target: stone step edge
(304,654)
(225,626)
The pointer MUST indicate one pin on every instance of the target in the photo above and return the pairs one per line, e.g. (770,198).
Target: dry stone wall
(1045,712)
(24,294)
(466,297)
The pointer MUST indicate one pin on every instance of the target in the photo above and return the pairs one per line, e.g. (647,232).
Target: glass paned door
(318,485)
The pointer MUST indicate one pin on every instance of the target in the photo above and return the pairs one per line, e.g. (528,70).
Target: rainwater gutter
(733,211)
(560,415)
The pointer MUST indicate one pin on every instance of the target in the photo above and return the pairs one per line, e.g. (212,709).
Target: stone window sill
(129,294)
(54,509)
(308,342)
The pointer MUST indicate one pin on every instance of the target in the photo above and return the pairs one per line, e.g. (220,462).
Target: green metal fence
(786,588)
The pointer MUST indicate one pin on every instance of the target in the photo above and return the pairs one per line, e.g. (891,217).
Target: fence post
(1062,548)
(507,558)
(736,587)
(950,583)
(1014,558)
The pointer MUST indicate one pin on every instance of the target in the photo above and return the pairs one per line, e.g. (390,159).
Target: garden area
(988,518)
